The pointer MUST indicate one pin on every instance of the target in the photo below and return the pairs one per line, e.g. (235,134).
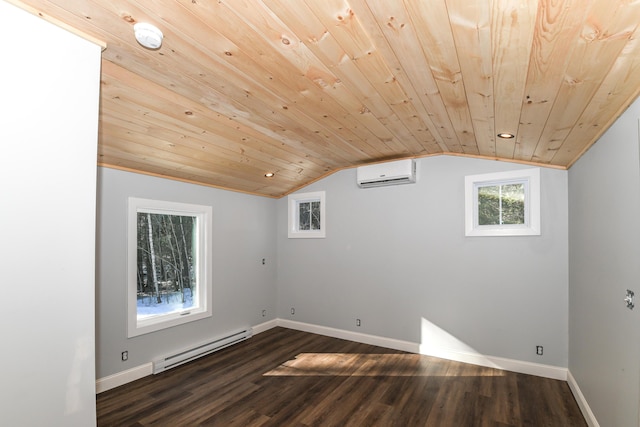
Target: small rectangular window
(503,204)
(307,215)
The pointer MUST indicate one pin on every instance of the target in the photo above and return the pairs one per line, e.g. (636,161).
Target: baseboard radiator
(178,358)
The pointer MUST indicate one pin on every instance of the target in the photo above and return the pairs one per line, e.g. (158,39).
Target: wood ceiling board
(618,89)
(322,43)
(342,23)
(310,103)
(199,121)
(153,90)
(310,87)
(396,42)
(471,29)
(288,119)
(340,106)
(436,47)
(605,33)
(512,25)
(558,25)
(245,161)
(131,156)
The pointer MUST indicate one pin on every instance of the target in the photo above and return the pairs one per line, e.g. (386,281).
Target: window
(503,204)
(307,215)
(169,264)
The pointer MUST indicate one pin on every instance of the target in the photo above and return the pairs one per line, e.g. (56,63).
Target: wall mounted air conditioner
(389,173)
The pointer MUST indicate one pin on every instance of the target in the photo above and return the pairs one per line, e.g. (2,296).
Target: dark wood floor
(283,377)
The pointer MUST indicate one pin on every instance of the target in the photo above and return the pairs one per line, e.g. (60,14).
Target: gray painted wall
(604,242)
(397,258)
(243,234)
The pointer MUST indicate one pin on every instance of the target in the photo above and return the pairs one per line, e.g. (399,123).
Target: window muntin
(169,264)
(503,204)
(307,215)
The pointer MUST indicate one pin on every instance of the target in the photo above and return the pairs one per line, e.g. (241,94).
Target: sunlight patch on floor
(370,365)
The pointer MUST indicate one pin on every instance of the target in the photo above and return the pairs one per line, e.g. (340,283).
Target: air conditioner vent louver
(389,173)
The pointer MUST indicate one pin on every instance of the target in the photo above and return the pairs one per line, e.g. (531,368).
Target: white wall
(397,258)
(604,243)
(49,87)
(243,234)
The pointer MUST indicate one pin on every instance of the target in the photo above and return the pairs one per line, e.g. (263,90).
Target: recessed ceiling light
(148,35)
(505,135)
(269,174)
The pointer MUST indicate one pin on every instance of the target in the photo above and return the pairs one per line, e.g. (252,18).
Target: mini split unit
(389,173)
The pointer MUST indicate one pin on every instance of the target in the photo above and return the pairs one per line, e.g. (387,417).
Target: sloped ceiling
(302,88)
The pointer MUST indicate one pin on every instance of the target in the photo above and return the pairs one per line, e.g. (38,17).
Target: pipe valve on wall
(628,299)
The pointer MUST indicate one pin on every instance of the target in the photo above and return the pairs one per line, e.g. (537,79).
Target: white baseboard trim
(582,402)
(130,375)
(264,326)
(124,377)
(349,335)
(513,365)
(547,371)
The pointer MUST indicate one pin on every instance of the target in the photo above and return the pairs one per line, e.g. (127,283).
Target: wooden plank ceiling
(302,88)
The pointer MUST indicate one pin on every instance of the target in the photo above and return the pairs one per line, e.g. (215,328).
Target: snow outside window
(503,203)
(307,215)
(169,264)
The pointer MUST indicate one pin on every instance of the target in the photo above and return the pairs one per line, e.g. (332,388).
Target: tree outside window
(309,216)
(169,269)
(166,266)
(501,204)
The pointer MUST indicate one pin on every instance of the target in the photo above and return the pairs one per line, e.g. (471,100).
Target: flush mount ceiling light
(148,35)
(269,175)
(505,135)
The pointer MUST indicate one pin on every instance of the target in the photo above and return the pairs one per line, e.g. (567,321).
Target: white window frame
(294,201)
(531,179)
(204,272)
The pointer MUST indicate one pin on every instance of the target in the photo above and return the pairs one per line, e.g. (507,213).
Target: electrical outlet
(293,311)
(539,350)
(358,322)
(264,313)
(264,261)
(125,356)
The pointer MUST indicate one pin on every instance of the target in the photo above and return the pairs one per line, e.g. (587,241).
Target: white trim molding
(124,377)
(351,336)
(513,365)
(589,417)
(294,201)
(519,366)
(528,178)
(262,327)
(522,367)
(202,265)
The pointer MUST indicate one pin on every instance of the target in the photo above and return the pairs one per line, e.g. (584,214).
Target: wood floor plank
(289,378)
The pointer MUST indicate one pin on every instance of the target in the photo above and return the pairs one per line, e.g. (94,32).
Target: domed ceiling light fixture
(148,35)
